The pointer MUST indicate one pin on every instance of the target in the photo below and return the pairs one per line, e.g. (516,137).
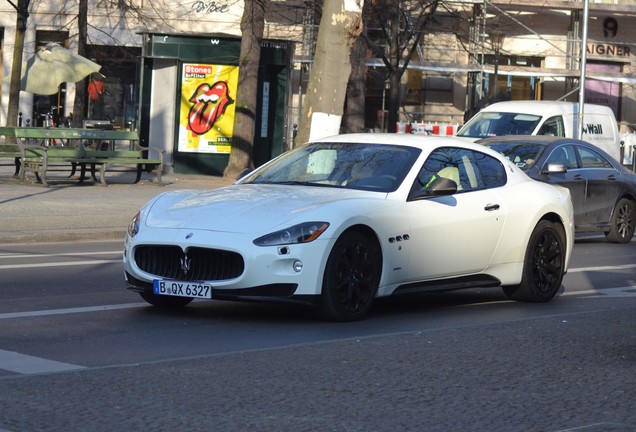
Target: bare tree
(252,27)
(340,26)
(79,103)
(354,115)
(398,29)
(22,9)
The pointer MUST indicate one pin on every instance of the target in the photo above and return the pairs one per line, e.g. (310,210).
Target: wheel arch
(370,233)
(552,217)
(569,235)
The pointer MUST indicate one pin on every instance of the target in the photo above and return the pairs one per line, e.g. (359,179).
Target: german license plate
(182,289)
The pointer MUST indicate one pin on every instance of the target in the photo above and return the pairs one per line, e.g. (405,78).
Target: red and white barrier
(441,129)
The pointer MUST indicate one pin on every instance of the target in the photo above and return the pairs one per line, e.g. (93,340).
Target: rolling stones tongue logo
(209,103)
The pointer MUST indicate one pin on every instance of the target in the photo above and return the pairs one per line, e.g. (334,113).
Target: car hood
(244,208)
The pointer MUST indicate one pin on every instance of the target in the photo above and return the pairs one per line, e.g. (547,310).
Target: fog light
(298,266)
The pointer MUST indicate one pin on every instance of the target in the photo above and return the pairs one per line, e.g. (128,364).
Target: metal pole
(582,67)
(496,83)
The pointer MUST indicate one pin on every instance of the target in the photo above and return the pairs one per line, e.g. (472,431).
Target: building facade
(477,52)
(473,52)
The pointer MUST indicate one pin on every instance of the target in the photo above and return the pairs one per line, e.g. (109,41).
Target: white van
(546,118)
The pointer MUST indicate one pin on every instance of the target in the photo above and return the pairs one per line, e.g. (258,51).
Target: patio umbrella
(52,66)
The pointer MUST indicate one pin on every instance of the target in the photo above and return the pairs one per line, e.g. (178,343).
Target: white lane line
(602,268)
(69,254)
(26,364)
(626,291)
(59,264)
(30,314)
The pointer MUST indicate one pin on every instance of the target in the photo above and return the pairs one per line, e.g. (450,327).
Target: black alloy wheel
(544,265)
(351,278)
(623,222)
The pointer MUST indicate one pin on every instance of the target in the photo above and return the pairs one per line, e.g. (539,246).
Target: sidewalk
(68,211)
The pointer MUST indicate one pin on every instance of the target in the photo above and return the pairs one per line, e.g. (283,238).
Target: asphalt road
(78,353)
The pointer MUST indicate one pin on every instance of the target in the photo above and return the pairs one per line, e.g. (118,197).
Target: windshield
(362,166)
(524,155)
(485,124)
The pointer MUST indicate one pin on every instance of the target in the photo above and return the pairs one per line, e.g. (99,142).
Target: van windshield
(487,124)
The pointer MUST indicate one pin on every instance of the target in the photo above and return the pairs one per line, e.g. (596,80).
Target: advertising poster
(206,118)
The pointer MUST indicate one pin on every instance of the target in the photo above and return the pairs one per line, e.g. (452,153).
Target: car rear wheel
(623,222)
(544,265)
(351,278)
(166,302)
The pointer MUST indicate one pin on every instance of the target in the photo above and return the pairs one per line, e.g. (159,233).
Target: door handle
(578,177)
(491,207)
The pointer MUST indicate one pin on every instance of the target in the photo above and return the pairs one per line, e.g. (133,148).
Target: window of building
(515,87)
(47,108)
(116,106)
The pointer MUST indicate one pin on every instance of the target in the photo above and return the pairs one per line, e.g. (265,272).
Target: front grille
(196,264)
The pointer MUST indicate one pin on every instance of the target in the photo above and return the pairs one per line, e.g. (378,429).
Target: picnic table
(39,150)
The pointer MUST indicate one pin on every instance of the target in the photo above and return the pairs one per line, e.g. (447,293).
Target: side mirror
(441,186)
(554,168)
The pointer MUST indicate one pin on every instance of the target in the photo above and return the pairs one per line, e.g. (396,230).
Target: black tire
(351,278)
(623,222)
(166,302)
(543,265)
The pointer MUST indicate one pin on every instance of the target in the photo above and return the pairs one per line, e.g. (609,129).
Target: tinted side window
(492,172)
(553,126)
(592,159)
(470,170)
(563,155)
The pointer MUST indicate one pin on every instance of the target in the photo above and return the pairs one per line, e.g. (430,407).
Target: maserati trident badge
(185,264)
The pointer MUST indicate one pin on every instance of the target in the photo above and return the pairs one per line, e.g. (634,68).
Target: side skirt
(457,283)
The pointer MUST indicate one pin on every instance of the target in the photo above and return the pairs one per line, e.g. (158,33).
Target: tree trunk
(395,55)
(340,26)
(79,104)
(252,27)
(393,105)
(354,115)
(16,67)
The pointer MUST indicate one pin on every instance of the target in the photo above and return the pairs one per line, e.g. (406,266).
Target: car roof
(546,108)
(419,141)
(545,140)
(529,139)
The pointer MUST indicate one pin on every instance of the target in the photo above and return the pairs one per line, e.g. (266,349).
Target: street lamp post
(496,40)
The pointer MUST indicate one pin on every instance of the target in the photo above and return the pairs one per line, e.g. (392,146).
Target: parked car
(603,191)
(531,117)
(338,222)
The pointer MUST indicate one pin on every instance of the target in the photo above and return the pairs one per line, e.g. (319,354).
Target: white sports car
(338,222)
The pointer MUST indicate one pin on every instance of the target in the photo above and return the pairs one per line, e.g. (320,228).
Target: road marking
(70,254)
(29,314)
(626,291)
(59,264)
(602,268)
(26,364)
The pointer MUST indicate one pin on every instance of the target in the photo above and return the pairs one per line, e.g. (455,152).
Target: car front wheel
(544,265)
(165,302)
(623,222)
(351,278)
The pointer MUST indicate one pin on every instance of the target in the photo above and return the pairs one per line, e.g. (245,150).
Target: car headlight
(301,233)
(133,226)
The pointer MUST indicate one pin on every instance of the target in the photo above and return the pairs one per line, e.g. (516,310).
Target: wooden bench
(11,151)
(40,160)
(42,150)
